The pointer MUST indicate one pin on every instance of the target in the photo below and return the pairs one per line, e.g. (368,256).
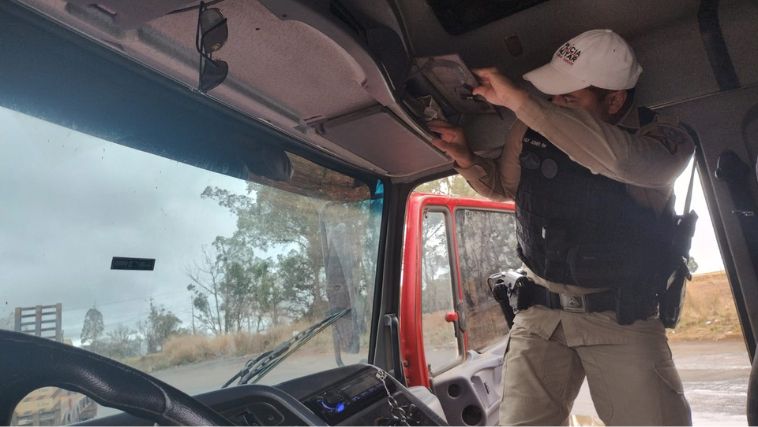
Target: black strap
(539,295)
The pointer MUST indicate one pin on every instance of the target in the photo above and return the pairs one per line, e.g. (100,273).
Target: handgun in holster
(509,290)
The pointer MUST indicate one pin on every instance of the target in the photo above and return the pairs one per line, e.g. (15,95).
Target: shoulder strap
(695,140)
(688,200)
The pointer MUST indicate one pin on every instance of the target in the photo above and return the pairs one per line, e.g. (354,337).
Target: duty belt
(515,292)
(590,303)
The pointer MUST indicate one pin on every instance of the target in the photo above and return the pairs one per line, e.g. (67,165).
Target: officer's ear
(615,101)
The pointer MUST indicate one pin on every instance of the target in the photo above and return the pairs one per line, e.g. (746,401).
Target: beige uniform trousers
(629,370)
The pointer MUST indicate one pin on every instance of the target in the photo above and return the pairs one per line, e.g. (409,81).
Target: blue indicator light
(339,407)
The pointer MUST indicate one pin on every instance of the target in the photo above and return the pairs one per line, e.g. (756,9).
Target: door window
(441,344)
(486,245)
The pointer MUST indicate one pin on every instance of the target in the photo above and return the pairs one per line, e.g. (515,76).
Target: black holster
(508,288)
(635,303)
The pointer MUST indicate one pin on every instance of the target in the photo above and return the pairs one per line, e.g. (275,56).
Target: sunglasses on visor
(212,33)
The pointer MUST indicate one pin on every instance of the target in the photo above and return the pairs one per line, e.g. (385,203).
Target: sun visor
(376,134)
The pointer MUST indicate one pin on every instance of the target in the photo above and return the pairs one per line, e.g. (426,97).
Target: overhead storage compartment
(375,133)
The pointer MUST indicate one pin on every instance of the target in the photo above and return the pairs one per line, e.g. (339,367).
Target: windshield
(179,270)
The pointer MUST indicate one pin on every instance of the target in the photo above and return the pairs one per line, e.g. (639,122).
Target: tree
(435,264)
(267,218)
(206,293)
(295,295)
(159,325)
(93,326)
(237,289)
(121,342)
(233,289)
(319,239)
(8,322)
(453,185)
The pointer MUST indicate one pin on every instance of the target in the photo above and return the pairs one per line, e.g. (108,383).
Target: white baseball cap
(599,58)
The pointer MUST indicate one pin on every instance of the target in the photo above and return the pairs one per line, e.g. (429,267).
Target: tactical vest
(579,228)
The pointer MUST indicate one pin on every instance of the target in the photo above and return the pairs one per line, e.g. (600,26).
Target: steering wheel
(28,363)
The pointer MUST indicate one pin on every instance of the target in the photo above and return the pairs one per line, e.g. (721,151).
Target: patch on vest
(549,168)
(534,142)
(530,160)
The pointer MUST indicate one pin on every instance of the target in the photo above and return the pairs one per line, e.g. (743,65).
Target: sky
(70,202)
(704,250)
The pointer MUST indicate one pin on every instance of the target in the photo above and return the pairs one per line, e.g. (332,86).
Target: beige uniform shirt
(648,159)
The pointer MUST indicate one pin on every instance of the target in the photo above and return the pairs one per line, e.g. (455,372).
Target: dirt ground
(709,312)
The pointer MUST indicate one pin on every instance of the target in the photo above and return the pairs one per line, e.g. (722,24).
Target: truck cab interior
(323,104)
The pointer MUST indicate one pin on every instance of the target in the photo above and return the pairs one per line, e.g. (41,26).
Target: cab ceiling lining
(541,29)
(282,71)
(460,16)
(282,59)
(266,56)
(715,46)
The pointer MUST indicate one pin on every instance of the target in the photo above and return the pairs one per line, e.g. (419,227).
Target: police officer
(592,177)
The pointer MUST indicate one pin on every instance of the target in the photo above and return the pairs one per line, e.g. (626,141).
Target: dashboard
(357,394)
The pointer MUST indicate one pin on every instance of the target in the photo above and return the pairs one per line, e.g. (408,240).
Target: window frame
(455,289)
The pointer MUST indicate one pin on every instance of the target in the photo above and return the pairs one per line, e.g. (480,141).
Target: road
(714,376)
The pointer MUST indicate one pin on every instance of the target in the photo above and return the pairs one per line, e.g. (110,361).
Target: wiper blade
(260,365)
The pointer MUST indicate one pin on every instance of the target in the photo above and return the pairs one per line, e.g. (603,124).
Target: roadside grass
(709,315)
(187,349)
(709,312)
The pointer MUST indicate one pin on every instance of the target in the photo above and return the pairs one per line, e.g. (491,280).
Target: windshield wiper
(260,365)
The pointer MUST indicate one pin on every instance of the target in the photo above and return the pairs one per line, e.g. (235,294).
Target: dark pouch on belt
(672,300)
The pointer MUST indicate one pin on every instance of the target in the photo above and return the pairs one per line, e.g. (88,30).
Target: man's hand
(498,90)
(452,142)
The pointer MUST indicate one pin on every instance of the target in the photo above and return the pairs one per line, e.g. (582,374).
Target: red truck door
(453,334)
